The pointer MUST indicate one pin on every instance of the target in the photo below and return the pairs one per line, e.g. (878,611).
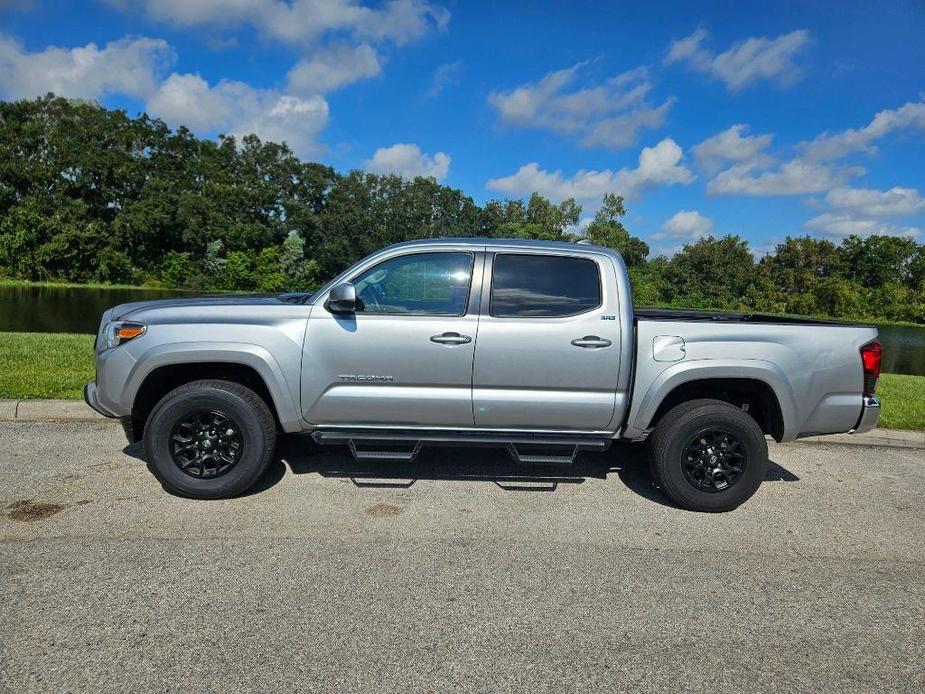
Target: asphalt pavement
(460,572)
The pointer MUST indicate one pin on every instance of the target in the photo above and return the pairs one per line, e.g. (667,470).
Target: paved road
(466,580)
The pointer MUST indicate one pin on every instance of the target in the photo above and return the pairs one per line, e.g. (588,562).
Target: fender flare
(254,356)
(706,369)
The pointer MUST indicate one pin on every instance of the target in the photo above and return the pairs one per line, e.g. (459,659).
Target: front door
(405,357)
(548,355)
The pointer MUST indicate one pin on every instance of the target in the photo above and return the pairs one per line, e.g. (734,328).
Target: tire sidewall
(173,408)
(743,428)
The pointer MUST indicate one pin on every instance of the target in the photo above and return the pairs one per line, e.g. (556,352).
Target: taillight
(870,358)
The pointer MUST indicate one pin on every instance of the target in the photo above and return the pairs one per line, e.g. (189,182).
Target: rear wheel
(209,439)
(708,455)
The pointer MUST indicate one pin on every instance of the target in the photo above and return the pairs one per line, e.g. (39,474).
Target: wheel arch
(156,374)
(757,387)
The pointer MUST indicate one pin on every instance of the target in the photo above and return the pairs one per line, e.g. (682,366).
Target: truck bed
(813,366)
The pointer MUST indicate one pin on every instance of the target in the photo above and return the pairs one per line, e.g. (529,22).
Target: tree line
(89,194)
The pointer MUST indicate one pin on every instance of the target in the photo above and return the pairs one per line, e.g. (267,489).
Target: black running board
(404,446)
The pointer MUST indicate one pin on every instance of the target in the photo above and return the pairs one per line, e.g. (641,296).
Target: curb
(48,411)
(79,411)
(890,438)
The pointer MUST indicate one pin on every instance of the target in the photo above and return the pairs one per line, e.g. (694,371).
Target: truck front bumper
(91,399)
(870,414)
(128,425)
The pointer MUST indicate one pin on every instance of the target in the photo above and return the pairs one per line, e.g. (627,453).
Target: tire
(694,440)
(191,423)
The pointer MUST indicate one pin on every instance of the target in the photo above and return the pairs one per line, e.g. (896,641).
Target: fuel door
(668,348)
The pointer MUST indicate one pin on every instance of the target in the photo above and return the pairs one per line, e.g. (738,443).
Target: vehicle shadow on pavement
(629,462)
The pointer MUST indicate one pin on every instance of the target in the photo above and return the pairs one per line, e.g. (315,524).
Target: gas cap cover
(668,348)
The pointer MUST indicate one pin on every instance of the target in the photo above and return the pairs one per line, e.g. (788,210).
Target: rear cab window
(543,286)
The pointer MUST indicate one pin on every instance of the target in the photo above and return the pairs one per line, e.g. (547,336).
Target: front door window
(434,284)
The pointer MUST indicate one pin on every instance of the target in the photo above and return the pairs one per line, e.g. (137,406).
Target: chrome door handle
(591,342)
(451,339)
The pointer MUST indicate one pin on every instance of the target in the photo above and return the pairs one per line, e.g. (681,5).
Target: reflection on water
(903,349)
(78,310)
(65,309)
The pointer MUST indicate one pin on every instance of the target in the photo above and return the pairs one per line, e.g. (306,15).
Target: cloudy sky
(761,119)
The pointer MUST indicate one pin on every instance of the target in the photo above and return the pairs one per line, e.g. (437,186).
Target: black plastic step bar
(542,458)
(404,446)
(373,450)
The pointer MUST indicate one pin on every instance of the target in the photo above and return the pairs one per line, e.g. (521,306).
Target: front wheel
(708,455)
(209,439)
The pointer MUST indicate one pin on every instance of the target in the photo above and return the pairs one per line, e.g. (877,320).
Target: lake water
(65,309)
(78,310)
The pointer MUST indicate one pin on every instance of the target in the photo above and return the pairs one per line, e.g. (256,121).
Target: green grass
(45,365)
(903,401)
(7,282)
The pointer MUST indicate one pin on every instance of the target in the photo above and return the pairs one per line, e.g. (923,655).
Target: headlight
(119,332)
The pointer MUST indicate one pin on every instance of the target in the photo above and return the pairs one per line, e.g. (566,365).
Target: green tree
(238,272)
(268,272)
(606,229)
(711,273)
(177,270)
(92,194)
(876,260)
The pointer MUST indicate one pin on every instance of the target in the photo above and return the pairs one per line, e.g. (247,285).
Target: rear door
(405,357)
(548,352)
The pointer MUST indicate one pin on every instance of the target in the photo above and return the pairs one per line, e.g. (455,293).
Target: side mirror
(342,299)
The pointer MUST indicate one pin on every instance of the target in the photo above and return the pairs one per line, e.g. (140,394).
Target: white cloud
(688,225)
(829,146)
(610,114)
(444,76)
(339,42)
(133,67)
(841,225)
(303,21)
(794,177)
(238,109)
(733,145)
(623,131)
(409,161)
(333,67)
(659,165)
(129,66)
(877,203)
(746,62)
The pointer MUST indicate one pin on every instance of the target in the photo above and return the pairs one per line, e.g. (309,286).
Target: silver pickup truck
(529,345)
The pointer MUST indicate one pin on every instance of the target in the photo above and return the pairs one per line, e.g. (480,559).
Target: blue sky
(761,119)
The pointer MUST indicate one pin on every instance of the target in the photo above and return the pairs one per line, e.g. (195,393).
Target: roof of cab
(535,244)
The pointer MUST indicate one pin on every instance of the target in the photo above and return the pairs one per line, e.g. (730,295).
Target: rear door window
(543,286)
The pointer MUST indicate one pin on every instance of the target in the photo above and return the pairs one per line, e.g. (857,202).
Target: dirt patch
(29,511)
(383,510)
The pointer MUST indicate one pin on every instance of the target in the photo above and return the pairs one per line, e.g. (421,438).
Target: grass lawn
(7,282)
(903,401)
(45,365)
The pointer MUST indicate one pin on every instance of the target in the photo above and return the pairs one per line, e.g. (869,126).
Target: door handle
(591,342)
(451,339)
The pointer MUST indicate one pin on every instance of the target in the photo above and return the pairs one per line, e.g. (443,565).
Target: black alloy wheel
(206,443)
(713,460)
